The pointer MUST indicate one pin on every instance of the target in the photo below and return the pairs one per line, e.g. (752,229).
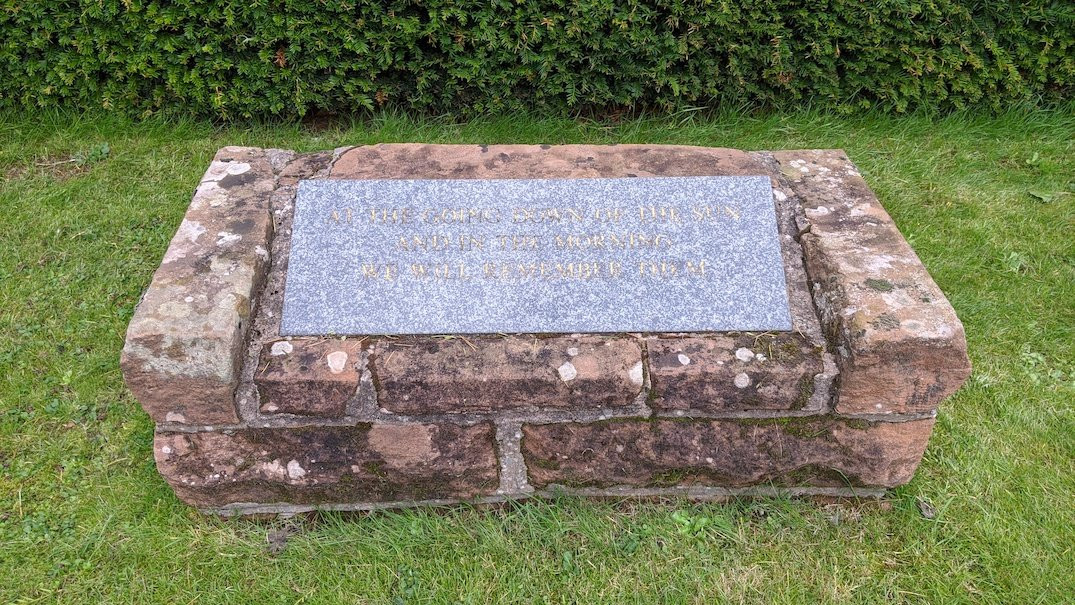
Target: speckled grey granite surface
(684,254)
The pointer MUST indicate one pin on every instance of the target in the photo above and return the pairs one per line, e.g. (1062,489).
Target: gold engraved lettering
(657,269)
(446,271)
(440,243)
(424,243)
(608,215)
(518,242)
(547,215)
(460,216)
(552,271)
(714,213)
(493,271)
(569,241)
(582,271)
(390,216)
(659,214)
(387,272)
(469,242)
(623,241)
(341,216)
(667,269)
(697,267)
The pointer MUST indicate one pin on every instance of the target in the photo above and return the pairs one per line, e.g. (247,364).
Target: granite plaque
(683,254)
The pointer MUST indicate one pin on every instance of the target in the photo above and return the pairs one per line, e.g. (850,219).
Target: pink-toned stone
(308,377)
(327,464)
(900,347)
(304,166)
(482,374)
(423,161)
(723,372)
(181,357)
(807,451)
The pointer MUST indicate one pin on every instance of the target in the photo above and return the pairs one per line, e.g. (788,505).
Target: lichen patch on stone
(744,354)
(337,361)
(635,374)
(295,470)
(224,238)
(742,380)
(237,168)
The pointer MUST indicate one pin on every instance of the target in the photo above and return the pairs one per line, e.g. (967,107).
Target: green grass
(987,202)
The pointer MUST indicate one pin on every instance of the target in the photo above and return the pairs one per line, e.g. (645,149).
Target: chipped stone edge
(216,399)
(859,357)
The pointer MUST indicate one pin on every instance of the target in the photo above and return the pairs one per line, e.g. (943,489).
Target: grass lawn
(987,201)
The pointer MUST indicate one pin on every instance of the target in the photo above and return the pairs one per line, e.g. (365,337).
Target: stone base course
(814,451)
(252,422)
(314,464)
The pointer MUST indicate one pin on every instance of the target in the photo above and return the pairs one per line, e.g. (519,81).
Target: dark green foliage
(271,57)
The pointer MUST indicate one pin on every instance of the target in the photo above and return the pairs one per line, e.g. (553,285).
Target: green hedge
(258,58)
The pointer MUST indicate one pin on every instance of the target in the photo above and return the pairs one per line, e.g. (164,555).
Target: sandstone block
(182,353)
(481,374)
(304,166)
(807,451)
(317,464)
(900,347)
(719,373)
(308,377)
(422,161)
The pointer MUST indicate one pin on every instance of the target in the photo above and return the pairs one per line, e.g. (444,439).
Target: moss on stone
(881,285)
(375,468)
(806,390)
(551,464)
(858,424)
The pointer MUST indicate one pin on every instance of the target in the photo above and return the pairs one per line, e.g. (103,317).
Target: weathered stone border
(205,358)
(900,347)
(182,354)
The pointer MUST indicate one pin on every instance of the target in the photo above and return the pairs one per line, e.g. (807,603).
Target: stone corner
(182,352)
(899,345)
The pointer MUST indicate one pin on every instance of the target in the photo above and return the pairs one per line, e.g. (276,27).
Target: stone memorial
(394,325)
